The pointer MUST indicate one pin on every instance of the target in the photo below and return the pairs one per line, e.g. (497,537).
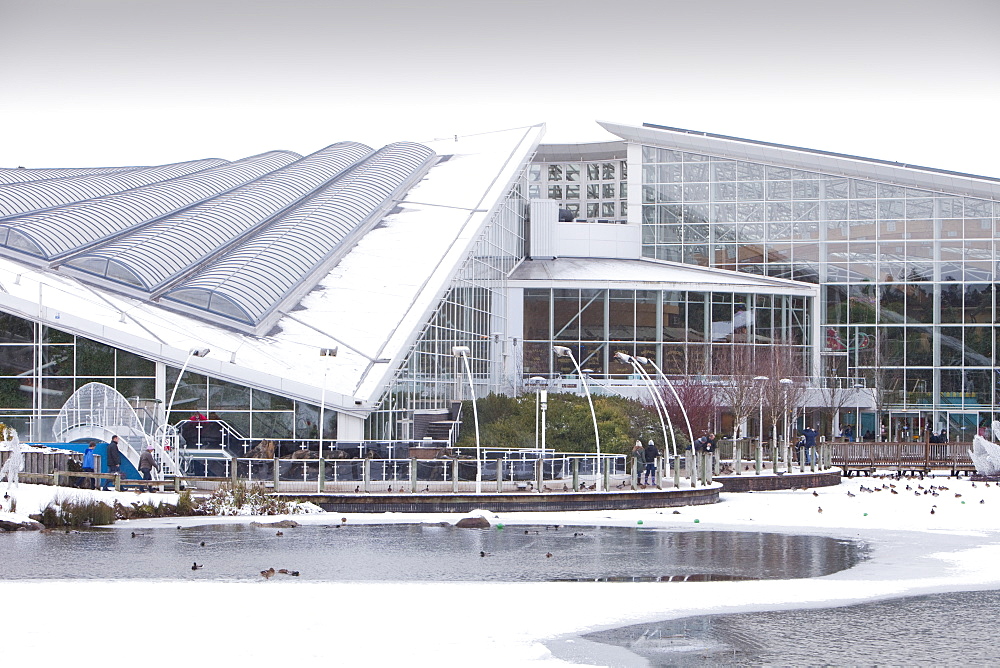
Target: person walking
(651,454)
(146,465)
(114,460)
(88,463)
(638,461)
(809,434)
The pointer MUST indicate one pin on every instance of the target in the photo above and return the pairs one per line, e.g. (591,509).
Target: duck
(195,566)
(280,533)
(548,555)
(268,573)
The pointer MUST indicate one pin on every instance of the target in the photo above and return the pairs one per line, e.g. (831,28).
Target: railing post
(759,463)
(454,476)
(321,475)
(276,474)
(234,470)
(738,456)
(413,475)
(576,475)
(658,472)
(366,473)
(607,472)
(677,472)
(499,475)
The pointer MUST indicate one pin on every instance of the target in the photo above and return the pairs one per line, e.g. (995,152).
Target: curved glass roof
(18,198)
(23,175)
(153,256)
(250,282)
(58,231)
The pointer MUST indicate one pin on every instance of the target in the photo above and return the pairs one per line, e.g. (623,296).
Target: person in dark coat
(88,463)
(146,465)
(651,454)
(639,457)
(114,460)
(809,436)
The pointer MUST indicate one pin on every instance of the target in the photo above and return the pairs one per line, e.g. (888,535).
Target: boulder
(25,525)
(283,524)
(473,523)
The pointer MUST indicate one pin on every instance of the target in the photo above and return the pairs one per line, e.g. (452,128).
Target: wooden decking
(916,458)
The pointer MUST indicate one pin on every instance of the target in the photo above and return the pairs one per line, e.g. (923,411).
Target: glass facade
(471,314)
(57,364)
(907,275)
(685,332)
(592,191)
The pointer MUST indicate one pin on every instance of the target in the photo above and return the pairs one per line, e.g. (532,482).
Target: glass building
(905,257)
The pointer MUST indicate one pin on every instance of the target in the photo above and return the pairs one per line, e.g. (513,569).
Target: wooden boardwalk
(866,457)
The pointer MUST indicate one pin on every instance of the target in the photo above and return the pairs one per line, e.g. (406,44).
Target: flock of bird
(912,484)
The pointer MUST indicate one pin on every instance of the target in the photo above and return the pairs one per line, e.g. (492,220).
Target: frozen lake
(422,553)
(941,629)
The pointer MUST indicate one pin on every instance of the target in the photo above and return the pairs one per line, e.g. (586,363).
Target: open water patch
(956,628)
(414,552)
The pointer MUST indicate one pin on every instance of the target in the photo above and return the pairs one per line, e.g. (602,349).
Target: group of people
(645,461)
(113,461)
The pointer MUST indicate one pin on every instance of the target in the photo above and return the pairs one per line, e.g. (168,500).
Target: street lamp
(786,382)
(563,351)
(463,352)
(324,353)
(760,425)
(537,381)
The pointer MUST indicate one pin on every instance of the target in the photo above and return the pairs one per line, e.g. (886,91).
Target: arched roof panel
(263,270)
(175,244)
(23,175)
(63,230)
(17,198)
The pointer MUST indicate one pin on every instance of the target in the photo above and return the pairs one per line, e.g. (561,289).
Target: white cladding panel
(544,217)
(620,242)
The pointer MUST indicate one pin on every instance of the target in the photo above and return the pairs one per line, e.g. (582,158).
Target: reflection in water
(941,629)
(423,553)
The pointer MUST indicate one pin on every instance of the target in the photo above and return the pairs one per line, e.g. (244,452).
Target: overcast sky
(115,82)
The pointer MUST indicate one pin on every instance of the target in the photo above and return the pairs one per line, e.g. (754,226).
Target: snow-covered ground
(912,551)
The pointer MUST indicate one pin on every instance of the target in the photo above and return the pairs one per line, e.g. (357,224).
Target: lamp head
(761,378)
(199,352)
(329,352)
(785,381)
(461,351)
(562,351)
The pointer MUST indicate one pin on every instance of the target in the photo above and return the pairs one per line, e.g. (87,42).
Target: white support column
(350,427)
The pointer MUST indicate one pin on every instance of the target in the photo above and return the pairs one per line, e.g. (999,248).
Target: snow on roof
(372,304)
(811,160)
(651,274)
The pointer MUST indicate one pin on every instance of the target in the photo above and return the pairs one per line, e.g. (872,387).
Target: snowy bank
(911,551)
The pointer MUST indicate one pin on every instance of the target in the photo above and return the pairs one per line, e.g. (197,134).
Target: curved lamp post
(563,351)
(645,360)
(324,353)
(193,352)
(661,408)
(463,352)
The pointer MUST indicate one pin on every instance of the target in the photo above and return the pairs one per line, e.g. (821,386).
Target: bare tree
(739,392)
(783,361)
(699,400)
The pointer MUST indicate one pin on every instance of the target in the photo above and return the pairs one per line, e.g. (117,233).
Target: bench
(855,465)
